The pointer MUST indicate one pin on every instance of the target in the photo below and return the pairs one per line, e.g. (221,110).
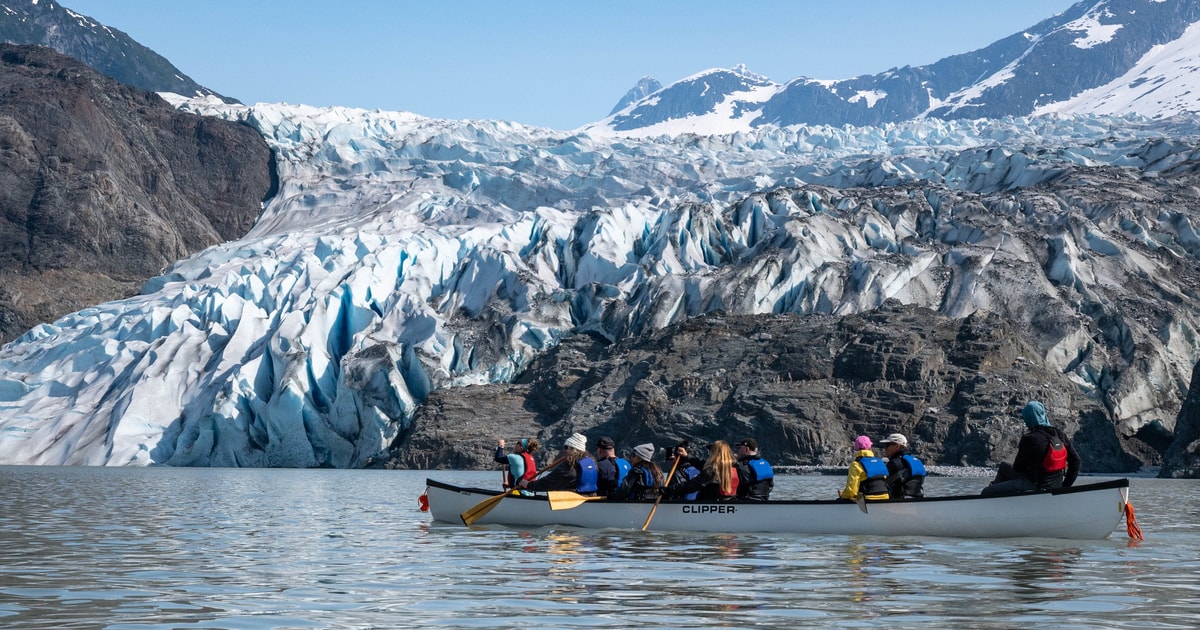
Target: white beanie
(577,441)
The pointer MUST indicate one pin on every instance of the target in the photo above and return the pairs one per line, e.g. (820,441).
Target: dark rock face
(803,386)
(103,185)
(1183,457)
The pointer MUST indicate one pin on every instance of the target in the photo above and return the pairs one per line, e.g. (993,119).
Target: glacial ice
(405,254)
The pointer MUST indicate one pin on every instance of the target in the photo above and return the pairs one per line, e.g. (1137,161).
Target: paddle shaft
(654,508)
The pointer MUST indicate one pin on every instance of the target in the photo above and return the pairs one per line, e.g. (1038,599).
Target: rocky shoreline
(803,386)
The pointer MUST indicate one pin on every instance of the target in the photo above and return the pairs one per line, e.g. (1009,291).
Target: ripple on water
(177,548)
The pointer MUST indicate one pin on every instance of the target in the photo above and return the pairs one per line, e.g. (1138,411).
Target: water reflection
(209,548)
(1041,574)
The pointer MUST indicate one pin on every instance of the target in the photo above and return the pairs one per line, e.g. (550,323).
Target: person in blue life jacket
(520,464)
(644,478)
(906,473)
(755,477)
(1045,459)
(610,468)
(867,475)
(576,472)
(687,468)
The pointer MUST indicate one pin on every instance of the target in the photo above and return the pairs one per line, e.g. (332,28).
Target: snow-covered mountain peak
(1118,57)
(1161,84)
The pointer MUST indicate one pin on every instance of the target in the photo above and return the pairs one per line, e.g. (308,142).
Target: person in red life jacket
(755,477)
(906,473)
(520,462)
(718,479)
(1045,459)
(577,470)
(644,478)
(867,475)
(610,468)
(687,468)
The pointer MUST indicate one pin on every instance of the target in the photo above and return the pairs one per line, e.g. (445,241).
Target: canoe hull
(1084,512)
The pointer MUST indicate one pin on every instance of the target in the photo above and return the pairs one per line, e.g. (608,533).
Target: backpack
(1056,455)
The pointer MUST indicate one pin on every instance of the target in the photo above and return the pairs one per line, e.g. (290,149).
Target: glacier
(404,254)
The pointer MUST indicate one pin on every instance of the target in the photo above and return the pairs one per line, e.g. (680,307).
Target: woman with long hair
(573,470)
(717,480)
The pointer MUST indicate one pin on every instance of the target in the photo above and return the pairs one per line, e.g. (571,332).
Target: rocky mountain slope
(106,49)
(103,185)
(803,386)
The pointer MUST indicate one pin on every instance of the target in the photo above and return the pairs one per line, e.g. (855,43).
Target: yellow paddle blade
(565,499)
(477,511)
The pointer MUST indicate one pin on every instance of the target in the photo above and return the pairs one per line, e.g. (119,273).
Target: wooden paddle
(565,499)
(477,511)
(668,481)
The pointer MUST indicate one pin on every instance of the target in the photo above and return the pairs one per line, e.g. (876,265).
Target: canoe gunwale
(1090,487)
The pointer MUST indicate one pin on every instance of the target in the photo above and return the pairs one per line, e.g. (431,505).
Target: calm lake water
(237,548)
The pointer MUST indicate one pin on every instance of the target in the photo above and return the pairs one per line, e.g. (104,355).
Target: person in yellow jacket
(867,475)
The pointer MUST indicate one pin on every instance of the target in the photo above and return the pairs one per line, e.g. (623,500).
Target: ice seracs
(404,254)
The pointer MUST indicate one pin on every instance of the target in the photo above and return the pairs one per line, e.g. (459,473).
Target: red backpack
(1056,456)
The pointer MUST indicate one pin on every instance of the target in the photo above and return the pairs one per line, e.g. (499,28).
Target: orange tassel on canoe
(1131,524)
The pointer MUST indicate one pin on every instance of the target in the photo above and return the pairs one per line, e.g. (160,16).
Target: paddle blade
(479,510)
(565,499)
(862,503)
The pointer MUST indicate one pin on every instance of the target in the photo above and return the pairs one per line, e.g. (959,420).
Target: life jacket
(687,473)
(915,465)
(877,474)
(530,467)
(623,467)
(588,476)
(1056,455)
(530,470)
(914,486)
(759,481)
(733,484)
(762,470)
(647,477)
(642,484)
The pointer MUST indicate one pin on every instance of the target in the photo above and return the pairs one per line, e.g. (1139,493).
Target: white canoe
(1089,511)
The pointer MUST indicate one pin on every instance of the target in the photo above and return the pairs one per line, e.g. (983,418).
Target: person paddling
(867,474)
(718,479)
(644,478)
(906,473)
(755,477)
(1045,459)
(687,468)
(520,463)
(612,469)
(577,471)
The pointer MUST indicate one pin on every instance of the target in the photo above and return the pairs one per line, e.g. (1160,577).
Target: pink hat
(862,443)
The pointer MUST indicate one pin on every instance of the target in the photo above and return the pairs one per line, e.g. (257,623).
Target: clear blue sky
(553,64)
